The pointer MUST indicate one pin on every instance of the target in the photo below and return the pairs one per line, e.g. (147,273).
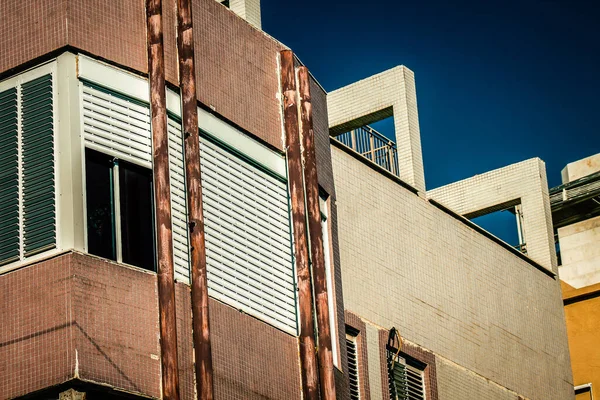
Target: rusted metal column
(315,231)
(162,201)
(187,84)
(308,358)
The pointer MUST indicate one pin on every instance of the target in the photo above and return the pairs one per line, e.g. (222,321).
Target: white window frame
(329,273)
(38,71)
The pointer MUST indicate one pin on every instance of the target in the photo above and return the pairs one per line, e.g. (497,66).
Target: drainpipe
(308,359)
(162,201)
(326,372)
(187,84)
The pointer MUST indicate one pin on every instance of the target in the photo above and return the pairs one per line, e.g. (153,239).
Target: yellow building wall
(582,313)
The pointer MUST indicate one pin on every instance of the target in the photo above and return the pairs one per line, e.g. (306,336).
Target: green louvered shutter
(9,178)
(37,129)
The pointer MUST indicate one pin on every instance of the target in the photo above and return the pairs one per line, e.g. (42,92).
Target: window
(247,221)
(352,351)
(584,392)
(329,279)
(27,170)
(406,377)
(119,208)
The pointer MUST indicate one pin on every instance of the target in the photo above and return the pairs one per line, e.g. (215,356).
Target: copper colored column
(308,358)
(162,201)
(315,232)
(187,84)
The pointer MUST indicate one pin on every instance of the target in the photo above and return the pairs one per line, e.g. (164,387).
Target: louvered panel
(247,238)
(178,202)
(37,127)
(116,126)
(353,377)
(9,178)
(414,380)
(396,378)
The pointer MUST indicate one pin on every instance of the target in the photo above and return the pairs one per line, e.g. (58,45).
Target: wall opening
(506,224)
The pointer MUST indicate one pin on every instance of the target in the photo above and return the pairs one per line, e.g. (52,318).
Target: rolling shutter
(178,202)
(406,381)
(247,237)
(353,367)
(117,126)
(9,178)
(39,208)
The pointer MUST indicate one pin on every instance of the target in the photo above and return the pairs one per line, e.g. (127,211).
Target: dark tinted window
(100,210)
(137,227)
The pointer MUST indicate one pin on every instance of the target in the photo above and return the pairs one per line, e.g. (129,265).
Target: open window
(119,206)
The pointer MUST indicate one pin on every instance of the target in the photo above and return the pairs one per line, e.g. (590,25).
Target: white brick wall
(447,288)
(525,181)
(247,9)
(390,93)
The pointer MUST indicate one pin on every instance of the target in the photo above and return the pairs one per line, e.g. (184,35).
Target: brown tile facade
(356,323)
(228,50)
(36,327)
(80,316)
(419,354)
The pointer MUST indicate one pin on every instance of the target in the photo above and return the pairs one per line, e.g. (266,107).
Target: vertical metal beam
(311,183)
(162,202)
(187,84)
(308,358)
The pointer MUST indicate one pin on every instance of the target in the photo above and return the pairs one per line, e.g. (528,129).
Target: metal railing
(372,145)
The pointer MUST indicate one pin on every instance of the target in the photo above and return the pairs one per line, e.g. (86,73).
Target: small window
(353,374)
(329,280)
(583,392)
(119,201)
(406,377)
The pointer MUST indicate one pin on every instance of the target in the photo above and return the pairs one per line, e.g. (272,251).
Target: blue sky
(497,82)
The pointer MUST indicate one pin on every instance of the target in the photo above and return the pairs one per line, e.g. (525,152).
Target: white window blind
(120,127)
(248,237)
(248,234)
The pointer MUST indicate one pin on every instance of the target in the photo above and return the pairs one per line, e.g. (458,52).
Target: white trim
(48,68)
(113,78)
(116,198)
(123,82)
(232,137)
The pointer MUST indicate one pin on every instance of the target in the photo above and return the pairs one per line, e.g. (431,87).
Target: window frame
(116,207)
(61,231)
(324,206)
(423,357)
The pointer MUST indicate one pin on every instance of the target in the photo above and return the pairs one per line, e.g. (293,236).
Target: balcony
(373,146)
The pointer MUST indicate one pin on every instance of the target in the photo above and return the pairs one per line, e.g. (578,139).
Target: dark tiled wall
(321,130)
(80,315)
(30,29)
(36,326)
(236,65)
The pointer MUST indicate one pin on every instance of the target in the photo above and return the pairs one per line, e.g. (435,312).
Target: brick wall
(389,93)
(447,288)
(80,316)
(524,182)
(228,50)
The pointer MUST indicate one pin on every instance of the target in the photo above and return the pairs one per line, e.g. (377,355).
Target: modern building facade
(408,299)
(576,215)
(472,317)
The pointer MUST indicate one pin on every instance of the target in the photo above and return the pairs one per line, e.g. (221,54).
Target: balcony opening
(375,142)
(506,224)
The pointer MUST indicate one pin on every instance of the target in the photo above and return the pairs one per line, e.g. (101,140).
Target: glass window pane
(100,210)
(137,226)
